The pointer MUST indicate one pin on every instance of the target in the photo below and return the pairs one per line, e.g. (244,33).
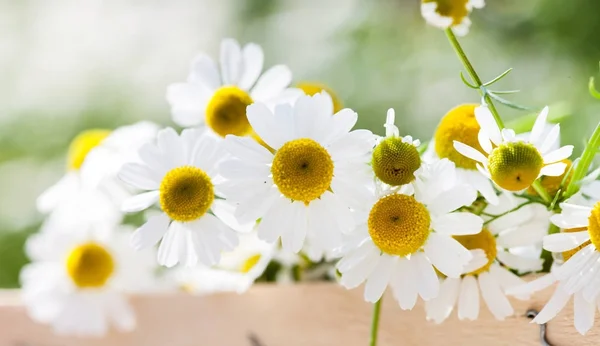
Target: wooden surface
(312,315)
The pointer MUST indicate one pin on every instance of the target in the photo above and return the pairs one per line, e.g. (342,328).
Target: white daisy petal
(458,223)
(468,299)
(494,298)
(479,260)
(204,72)
(150,232)
(559,154)
(556,303)
(428,284)
(486,120)
(470,152)
(403,283)
(532,286)
(560,242)
(584,314)
(538,128)
(550,139)
(169,249)
(440,308)
(575,263)
(379,278)
(484,141)
(359,273)
(271,83)
(140,202)
(553,170)
(447,254)
(139,176)
(519,263)
(507,280)
(253,59)
(247,149)
(271,226)
(188,103)
(231,61)
(452,199)
(267,125)
(581,279)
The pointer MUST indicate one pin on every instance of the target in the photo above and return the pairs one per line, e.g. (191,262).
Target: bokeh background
(67,65)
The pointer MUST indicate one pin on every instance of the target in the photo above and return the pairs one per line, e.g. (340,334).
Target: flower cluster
(268,181)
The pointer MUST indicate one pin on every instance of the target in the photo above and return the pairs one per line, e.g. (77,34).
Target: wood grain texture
(322,314)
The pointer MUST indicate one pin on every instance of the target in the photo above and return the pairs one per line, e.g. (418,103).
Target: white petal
(150,232)
(359,273)
(509,135)
(559,154)
(452,199)
(225,211)
(574,263)
(171,146)
(440,308)
(532,286)
(480,183)
(139,176)
(479,260)
(253,59)
(551,139)
(584,314)
(404,283)
(121,313)
(379,278)
(519,263)
(231,61)
(484,141)
(556,303)
(204,72)
(561,242)
(272,83)
(428,284)
(458,223)
(247,149)
(447,254)
(507,279)
(297,224)
(494,298)
(140,202)
(538,128)
(171,245)
(267,125)
(488,124)
(188,103)
(275,221)
(470,152)
(582,278)
(468,299)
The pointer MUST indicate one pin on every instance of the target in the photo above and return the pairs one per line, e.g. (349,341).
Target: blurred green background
(68,65)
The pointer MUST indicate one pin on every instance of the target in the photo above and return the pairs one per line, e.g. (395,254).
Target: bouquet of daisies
(269,181)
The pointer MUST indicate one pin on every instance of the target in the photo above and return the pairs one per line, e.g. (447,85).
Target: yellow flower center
(302,170)
(515,166)
(226,112)
(186,193)
(569,253)
(399,225)
(552,184)
(483,240)
(594,226)
(455,9)
(90,265)
(311,88)
(82,144)
(395,162)
(459,124)
(250,263)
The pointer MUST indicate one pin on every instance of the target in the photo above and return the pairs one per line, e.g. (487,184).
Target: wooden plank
(295,315)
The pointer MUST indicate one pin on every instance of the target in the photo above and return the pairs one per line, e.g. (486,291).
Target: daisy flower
(453,14)
(578,276)
(406,234)
(488,272)
(395,159)
(78,279)
(219,98)
(93,160)
(512,163)
(179,173)
(304,188)
(312,88)
(459,124)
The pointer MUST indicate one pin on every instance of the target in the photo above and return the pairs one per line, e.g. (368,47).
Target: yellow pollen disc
(552,184)
(249,263)
(395,162)
(302,170)
(226,112)
(569,253)
(399,225)
(459,124)
(186,193)
(455,9)
(82,144)
(483,240)
(515,166)
(90,265)
(594,226)
(311,88)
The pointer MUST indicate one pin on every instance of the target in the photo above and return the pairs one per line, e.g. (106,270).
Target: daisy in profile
(77,281)
(90,189)
(218,98)
(312,88)
(512,163)
(488,274)
(305,188)
(459,124)
(453,14)
(406,233)
(579,275)
(180,174)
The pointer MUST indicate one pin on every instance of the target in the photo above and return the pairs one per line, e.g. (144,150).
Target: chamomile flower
(78,279)
(514,164)
(305,187)
(219,99)
(488,272)
(406,234)
(312,88)
(179,173)
(450,13)
(93,160)
(459,124)
(395,159)
(578,276)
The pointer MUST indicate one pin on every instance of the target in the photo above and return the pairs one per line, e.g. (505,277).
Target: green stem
(584,163)
(375,322)
(494,217)
(537,186)
(469,67)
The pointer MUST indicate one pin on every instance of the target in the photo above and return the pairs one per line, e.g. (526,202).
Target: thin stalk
(537,186)
(584,163)
(375,322)
(497,216)
(474,76)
